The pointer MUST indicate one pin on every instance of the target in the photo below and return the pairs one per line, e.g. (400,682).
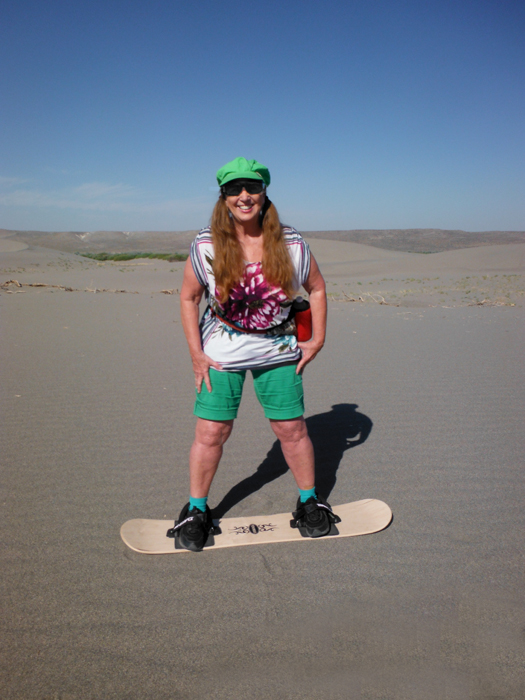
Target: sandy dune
(488,274)
(10,245)
(356,260)
(418,402)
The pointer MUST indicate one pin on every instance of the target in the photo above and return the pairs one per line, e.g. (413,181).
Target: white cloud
(8,181)
(101,190)
(94,196)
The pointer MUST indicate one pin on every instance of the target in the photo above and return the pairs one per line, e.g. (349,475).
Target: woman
(249,267)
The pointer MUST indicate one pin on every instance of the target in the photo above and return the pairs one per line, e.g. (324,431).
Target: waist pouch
(287,327)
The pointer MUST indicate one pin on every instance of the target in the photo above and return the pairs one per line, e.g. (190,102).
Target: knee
(213,433)
(290,431)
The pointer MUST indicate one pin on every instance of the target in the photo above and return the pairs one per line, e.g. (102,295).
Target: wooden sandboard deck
(357,518)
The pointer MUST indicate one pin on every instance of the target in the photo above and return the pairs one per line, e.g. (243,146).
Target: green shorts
(279,390)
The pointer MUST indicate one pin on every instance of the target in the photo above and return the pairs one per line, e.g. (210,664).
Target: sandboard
(357,518)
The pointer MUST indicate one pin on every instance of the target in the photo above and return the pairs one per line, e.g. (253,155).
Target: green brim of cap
(248,175)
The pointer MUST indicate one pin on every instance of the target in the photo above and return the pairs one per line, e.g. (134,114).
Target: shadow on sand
(332,433)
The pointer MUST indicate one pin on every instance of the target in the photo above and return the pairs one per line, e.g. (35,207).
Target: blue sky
(369,113)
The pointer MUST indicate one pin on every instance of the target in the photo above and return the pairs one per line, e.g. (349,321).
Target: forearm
(318,308)
(190,297)
(189,311)
(316,288)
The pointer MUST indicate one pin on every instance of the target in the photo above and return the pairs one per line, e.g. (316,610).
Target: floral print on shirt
(254,303)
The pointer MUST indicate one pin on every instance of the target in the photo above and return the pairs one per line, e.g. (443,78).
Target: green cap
(242,168)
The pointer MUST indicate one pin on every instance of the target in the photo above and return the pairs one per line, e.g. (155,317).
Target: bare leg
(206,453)
(297,449)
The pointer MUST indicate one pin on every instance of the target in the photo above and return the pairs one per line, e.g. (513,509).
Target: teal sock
(305,494)
(199,503)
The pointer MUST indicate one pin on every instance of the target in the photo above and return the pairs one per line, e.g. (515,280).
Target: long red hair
(228,263)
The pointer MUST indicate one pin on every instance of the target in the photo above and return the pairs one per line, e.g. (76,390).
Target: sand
(417,399)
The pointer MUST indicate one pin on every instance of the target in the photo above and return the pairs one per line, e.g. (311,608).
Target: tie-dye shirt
(252,304)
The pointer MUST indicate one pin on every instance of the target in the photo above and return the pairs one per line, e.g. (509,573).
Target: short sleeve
(305,261)
(200,256)
(300,254)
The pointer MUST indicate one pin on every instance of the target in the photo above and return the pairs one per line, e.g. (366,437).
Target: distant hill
(421,240)
(107,241)
(426,240)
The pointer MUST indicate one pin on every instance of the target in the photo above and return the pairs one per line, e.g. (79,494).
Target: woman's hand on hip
(309,350)
(201,369)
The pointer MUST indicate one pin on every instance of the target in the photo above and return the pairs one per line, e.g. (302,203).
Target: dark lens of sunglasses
(232,189)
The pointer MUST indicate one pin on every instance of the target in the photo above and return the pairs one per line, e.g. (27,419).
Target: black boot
(192,528)
(314,518)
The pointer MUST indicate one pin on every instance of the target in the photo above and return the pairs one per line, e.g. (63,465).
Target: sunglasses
(235,187)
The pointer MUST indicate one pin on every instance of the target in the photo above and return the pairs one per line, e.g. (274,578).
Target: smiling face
(244,207)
